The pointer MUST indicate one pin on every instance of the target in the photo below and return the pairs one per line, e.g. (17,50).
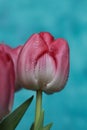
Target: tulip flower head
(14,53)
(7,82)
(43,63)
(8,77)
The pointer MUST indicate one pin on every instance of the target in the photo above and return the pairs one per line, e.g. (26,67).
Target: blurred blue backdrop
(63,18)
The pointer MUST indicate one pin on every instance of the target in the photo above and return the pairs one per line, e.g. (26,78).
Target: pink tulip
(8,79)
(7,83)
(43,63)
(14,53)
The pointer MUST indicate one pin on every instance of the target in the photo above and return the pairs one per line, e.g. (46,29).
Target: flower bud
(14,53)
(7,82)
(43,63)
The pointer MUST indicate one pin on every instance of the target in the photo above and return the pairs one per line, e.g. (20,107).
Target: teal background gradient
(62,18)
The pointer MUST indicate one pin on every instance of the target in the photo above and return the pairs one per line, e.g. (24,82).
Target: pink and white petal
(28,57)
(61,53)
(45,70)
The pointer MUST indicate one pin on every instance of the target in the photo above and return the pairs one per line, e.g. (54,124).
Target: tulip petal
(47,37)
(60,51)
(14,53)
(45,70)
(32,50)
(7,79)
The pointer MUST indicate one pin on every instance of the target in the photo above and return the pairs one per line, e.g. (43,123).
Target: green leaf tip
(48,127)
(41,123)
(13,119)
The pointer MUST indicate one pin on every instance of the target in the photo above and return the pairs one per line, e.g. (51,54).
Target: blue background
(63,18)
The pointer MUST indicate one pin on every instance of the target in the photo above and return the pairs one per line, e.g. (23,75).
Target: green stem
(38,107)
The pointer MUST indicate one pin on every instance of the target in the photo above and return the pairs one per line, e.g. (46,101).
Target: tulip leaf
(32,127)
(40,124)
(13,119)
(48,126)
